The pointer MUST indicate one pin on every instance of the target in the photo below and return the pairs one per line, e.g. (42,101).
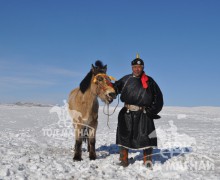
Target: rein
(115,107)
(108,111)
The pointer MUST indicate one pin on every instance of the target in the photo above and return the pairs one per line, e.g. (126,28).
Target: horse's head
(104,88)
(99,82)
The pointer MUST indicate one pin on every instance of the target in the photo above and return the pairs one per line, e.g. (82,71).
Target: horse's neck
(90,96)
(89,103)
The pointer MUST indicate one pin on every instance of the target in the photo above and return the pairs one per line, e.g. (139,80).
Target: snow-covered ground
(35,143)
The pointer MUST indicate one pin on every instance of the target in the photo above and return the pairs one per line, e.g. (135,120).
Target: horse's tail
(85,134)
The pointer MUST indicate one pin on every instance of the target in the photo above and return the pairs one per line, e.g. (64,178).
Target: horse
(83,107)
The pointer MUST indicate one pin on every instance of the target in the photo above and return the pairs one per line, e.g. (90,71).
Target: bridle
(100,85)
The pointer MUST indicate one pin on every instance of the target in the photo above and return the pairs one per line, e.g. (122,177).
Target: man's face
(137,70)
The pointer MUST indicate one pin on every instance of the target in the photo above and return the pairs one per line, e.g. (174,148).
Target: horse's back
(73,98)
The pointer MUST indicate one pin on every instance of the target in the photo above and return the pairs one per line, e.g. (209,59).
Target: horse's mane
(85,83)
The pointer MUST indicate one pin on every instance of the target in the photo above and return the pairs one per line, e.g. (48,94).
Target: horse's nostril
(113,95)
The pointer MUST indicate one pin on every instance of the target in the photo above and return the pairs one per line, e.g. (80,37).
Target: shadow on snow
(159,155)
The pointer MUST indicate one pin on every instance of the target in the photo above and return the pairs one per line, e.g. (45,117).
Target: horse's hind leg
(78,145)
(92,140)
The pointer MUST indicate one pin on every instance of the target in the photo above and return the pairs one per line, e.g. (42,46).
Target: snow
(36,143)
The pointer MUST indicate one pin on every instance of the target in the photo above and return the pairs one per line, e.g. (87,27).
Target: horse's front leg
(92,139)
(78,144)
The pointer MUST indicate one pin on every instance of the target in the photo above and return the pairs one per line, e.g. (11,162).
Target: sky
(48,46)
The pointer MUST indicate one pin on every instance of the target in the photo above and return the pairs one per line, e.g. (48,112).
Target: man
(143,100)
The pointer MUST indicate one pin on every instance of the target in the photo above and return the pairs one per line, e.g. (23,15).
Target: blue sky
(47,47)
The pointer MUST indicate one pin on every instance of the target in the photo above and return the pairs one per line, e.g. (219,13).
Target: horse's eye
(100,78)
(108,79)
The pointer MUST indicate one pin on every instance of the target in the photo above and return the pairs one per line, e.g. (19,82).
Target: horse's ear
(105,68)
(93,68)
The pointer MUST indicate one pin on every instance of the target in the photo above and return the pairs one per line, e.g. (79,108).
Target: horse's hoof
(92,157)
(77,158)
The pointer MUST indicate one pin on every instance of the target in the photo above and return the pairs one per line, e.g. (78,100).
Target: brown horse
(83,107)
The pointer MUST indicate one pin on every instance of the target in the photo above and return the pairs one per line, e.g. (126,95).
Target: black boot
(123,157)
(147,158)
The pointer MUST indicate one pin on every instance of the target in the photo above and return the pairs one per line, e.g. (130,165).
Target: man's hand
(151,115)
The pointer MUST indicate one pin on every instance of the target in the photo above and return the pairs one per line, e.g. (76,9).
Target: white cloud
(9,67)
(24,81)
(14,73)
(62,71)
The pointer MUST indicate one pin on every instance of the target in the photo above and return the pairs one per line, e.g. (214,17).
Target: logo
(178,151)
(65,127)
